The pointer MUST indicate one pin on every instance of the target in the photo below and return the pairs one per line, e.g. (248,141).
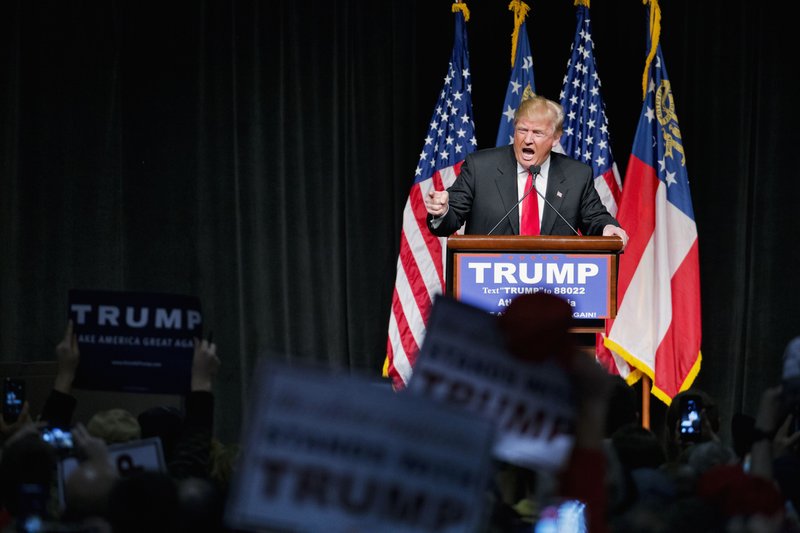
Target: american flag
(657,328)
(520,87)
(585,135)
(420,270)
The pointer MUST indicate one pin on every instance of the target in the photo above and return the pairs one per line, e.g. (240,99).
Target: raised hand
(68,356)
(437,202)
(205,365)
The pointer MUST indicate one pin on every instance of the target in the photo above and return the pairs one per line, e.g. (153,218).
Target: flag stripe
(637,216)
(427,247)
(399,364)
(609,188)
(416,279)
(684,334)
(408,343)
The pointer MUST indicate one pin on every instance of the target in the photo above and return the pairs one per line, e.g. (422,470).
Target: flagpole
(645,402)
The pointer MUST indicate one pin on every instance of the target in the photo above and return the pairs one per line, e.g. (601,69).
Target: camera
(691,426)
(13,399)
(59,438)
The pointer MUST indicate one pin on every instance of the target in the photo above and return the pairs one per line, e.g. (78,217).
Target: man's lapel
(556,191)
(506,181)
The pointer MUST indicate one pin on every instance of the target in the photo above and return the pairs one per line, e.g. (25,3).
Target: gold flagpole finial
(520,10)
(581,3)
(655,36)
(461,6)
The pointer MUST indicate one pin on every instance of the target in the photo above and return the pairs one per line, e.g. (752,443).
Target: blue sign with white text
(135,342)
(490,282)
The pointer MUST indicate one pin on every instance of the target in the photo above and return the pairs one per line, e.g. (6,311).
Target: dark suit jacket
(486,189)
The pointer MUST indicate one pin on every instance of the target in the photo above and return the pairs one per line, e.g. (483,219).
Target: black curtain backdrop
(259,155)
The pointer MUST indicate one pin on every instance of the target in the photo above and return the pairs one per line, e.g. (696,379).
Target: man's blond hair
(538,106)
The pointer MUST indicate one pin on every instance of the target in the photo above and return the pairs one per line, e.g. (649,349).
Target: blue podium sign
(490,281)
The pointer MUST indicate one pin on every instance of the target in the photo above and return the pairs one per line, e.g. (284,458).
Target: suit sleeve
(462,194)
(594,215)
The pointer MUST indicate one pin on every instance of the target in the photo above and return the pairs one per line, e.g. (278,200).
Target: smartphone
(691,423)
(57,437)
(13,399)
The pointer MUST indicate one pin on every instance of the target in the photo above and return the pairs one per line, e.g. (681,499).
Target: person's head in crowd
(201,506)
(536,327)
(631,449)
(658,507)
(707,455)
(693,515)
(643,517)
(163,422)
(638,447)
(654,485)
(87,488)
(619,485)
(623,406)
(747,503)
(144,502)
(538,125)
(114,426)
(27,470)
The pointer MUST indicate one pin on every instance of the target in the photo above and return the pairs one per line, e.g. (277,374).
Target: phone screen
(13,399)
(59,438)
(569,515)
(690,427)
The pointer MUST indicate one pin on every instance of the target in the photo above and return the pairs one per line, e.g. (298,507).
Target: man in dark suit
(493,180)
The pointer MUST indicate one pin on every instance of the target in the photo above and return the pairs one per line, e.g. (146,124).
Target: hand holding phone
(59,438)
(691,424)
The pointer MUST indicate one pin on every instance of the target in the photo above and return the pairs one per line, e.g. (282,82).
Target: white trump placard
(127,457)
(335,453)
(463,363)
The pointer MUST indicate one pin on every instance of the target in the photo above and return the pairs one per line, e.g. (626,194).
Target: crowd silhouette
(623,477)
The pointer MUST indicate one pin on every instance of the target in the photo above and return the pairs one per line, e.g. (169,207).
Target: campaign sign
(491,281)
(135,342)
(463,363)
(335,453)
(127,457)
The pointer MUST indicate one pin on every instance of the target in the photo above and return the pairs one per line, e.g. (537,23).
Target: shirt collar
(545,167)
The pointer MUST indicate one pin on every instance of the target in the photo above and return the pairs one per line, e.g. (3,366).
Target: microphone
(533,170)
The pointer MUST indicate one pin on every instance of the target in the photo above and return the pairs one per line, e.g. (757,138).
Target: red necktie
(530,210)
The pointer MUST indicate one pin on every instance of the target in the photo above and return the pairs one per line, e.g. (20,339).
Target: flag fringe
(640,368)
(581,3)
(520,10)
(655,37)
(461,6)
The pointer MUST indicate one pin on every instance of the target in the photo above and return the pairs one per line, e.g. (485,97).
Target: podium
(488,271)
